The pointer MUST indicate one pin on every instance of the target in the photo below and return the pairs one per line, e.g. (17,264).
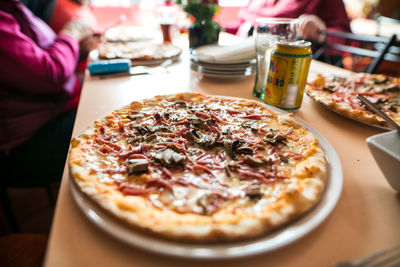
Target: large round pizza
(138,51)
(192,167)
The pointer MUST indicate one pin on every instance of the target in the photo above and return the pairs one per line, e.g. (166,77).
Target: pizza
(196,168)
(339,93)
(130,34)
(138,51)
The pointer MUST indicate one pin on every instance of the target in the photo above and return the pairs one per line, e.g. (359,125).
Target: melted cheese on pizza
(201,156)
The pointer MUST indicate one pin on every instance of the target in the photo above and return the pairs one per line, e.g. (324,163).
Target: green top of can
(300,47)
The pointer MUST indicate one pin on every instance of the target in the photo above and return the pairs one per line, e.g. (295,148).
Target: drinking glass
(268,32)
(167,20)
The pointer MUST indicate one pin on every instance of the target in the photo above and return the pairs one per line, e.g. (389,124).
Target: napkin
(240,52)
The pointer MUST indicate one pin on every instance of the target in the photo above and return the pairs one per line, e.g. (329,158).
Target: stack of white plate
(223,70)
(229,61)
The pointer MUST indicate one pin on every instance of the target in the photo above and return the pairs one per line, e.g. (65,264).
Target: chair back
(375,47)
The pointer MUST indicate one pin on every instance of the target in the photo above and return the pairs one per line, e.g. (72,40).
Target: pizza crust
(296,196)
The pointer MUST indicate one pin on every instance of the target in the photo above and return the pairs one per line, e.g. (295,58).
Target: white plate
(222,65)
(222,73)
(247,71)
(269,242)
(224,77)
(218,68)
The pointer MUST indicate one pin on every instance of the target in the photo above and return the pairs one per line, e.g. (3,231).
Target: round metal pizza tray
(285,235)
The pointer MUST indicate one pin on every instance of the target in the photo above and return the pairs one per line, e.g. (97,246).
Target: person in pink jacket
(315,16)
(39,93)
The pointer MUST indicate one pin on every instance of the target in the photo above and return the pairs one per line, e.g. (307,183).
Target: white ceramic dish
(218,68)
(272,241)
(385,148)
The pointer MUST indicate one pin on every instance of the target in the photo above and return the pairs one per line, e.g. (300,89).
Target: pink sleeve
(27,67)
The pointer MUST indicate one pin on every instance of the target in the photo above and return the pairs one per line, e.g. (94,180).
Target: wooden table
(366,218)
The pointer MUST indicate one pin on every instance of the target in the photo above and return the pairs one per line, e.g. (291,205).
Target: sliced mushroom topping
(254,191)
(226,130)
(250,124)
(135,117)
(228,172)
(167,113)
(208,142)
(169,158)
(330,88)
(203,141)
(258,147)
(175,117)
(141,130)
(157,116)
(283,159)
(196,123)
(175,147)
(199,123)
(233,164)
(244,150)
(275,139)
(158,128)
(137,166)
(230,146)
(135,139)
(149,129)
(210,203)
(211,121)
(255,162)
(392,108)
(180,104)
(150,137)
(192,136)
(380,80)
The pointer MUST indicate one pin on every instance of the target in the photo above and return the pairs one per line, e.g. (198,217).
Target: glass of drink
(269,31)
(167,19)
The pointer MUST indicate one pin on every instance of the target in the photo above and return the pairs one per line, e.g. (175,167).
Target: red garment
(65,10)
(37,79)
(332,12)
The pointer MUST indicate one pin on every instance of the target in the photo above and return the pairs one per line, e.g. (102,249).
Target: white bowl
(385,148)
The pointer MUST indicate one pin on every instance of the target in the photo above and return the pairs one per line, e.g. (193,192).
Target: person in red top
(65,10)
(39,93)
(315,16)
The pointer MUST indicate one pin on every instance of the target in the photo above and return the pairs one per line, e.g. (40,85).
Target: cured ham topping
(253,117)
(159,183)
(135,191)
(110,144)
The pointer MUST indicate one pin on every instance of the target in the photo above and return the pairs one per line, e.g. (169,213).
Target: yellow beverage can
(287,74)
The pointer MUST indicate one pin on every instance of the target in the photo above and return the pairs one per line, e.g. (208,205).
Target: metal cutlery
(389,257)
(375,109)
